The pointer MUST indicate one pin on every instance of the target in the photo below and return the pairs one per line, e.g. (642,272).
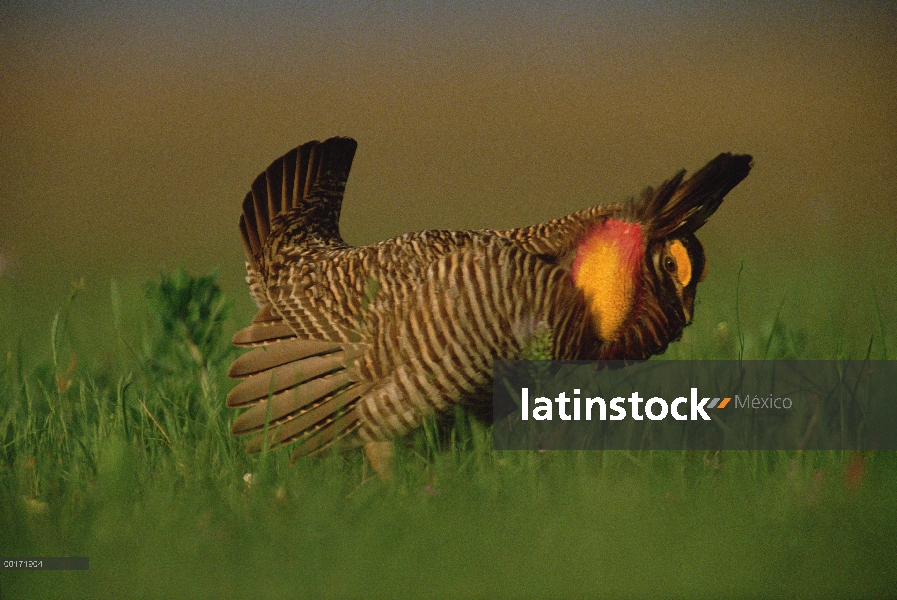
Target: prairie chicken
(358,344)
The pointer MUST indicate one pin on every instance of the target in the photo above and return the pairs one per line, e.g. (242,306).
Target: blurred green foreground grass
(129,462)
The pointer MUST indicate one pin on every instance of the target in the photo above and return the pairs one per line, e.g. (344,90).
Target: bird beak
(688,311)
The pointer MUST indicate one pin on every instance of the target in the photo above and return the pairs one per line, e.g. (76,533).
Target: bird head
(639,266)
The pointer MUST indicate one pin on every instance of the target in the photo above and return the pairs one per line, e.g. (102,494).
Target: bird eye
(669,264)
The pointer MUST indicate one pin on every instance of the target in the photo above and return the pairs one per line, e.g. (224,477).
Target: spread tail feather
(263,333)
(314,425)
(304,190)
(283,377)
(277,354)
(267,328)
(298,391)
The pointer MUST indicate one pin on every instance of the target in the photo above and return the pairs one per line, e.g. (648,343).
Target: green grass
(128,461)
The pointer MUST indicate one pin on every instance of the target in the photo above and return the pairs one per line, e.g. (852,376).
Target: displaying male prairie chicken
(358,345)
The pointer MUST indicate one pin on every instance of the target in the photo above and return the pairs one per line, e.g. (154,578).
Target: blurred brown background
(129,136)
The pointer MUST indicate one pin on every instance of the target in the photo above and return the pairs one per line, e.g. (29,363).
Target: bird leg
(381,454)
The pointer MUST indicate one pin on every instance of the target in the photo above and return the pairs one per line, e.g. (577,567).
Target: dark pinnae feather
(683,207)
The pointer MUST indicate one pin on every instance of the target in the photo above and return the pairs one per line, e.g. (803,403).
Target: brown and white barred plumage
(359,344)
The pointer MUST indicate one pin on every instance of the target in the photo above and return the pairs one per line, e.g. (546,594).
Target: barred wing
(423,355)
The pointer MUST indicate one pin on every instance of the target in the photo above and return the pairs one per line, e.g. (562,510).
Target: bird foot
(381,455)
